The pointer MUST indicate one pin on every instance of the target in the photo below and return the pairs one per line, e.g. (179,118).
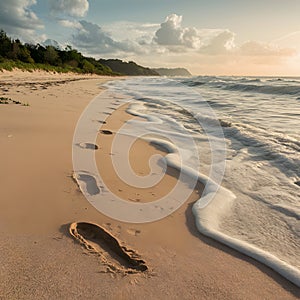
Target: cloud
(141,33)
(171,33)
(176,38)
(220,43)
(73,8)
(70,24)
(162,40)
(253,48)
(92,39)
(191,38)
(53,43)
(18,19)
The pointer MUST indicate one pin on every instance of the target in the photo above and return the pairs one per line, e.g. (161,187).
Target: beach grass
(9,65)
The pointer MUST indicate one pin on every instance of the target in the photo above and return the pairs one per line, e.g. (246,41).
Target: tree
(24,55)
(5,44)
(70,57)
(37,52)
(14,50)
(88,67)
(51,55)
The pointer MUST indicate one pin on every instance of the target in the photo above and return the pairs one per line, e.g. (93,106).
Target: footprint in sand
(105,132)
(101,122)
(99,241)
(89,181)
(88,146)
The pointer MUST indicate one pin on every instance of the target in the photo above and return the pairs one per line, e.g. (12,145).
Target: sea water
(245,136)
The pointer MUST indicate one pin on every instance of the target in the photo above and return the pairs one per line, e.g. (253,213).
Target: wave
(265,89)
(193,83)
(279,150)
(273,86)
(250,80)
(286,80)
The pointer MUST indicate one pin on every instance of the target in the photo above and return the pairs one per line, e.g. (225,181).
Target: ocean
(240,136)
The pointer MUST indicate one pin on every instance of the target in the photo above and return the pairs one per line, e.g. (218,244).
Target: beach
(40,199)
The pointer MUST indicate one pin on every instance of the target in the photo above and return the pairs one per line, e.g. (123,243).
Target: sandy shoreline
(39,199)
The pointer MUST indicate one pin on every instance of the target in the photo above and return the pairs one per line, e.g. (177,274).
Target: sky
(229,37)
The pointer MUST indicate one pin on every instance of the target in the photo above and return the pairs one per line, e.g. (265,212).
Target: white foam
(205,226)
(209,210)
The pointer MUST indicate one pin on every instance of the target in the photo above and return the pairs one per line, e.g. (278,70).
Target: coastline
(38,197)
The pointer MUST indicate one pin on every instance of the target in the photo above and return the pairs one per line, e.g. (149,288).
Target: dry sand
(39,200)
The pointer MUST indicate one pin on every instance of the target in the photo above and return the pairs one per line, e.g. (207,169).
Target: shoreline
(139,156)
(39,197)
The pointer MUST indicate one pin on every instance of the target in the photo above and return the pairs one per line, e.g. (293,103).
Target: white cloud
(191,38)
(92,39)
(171,33)
(139,32)
(176,38)
(253,48)
(219,43)
(74,8)
(53,43)
(70,24)
(18,19)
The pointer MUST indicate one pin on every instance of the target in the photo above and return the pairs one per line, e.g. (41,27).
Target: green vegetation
(5,100)
(127,68)
(29,57)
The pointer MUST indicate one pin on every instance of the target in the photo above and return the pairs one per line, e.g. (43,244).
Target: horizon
(227,39)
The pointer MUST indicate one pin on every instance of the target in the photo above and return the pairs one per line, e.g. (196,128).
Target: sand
(39,200)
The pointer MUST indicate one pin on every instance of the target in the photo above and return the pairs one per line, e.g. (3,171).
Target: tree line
(68,59)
